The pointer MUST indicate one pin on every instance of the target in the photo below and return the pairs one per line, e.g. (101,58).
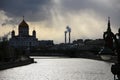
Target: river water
(60,69)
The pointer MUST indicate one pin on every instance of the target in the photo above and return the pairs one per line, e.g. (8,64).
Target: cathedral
(23,39)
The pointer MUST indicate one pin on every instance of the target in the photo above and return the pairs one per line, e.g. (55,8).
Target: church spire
(108,29)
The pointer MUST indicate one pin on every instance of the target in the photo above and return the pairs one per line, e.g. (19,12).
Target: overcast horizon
(86,18)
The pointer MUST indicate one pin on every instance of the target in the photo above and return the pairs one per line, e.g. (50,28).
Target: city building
(23,39)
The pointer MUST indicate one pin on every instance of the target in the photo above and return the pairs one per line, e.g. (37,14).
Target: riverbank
(97,58)
(7,65)
(91,54)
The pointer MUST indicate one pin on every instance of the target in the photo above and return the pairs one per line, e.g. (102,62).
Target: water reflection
(60,69)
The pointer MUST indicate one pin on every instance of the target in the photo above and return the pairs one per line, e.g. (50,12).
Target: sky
(86,18)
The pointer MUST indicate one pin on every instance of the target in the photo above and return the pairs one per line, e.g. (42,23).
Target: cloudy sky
(87,18)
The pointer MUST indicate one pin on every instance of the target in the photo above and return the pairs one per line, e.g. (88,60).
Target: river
(48,68)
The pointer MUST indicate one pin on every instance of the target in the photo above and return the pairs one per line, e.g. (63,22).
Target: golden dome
(23,24)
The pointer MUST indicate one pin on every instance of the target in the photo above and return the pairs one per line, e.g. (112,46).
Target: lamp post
(109,50)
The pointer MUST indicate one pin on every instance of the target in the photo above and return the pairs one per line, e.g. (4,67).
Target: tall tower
(34,33)
(109,28)
(69,37)
(65,37)
(109,36)
(23,29)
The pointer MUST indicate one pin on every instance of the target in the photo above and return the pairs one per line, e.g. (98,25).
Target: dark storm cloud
(103,8)
(77,5)
(33,9)
(39,10)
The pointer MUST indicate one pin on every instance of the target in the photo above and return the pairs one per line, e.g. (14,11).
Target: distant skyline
(86,18)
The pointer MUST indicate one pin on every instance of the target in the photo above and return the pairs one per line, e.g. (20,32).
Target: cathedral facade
(23,39)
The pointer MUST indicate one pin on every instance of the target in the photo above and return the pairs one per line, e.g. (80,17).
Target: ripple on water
(60,69)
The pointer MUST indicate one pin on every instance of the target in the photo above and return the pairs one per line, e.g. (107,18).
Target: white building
(23,39)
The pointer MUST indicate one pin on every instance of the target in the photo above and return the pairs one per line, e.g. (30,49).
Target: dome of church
(23,29)
(23,24)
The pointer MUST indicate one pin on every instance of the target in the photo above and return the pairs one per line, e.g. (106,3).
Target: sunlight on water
(60,69)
